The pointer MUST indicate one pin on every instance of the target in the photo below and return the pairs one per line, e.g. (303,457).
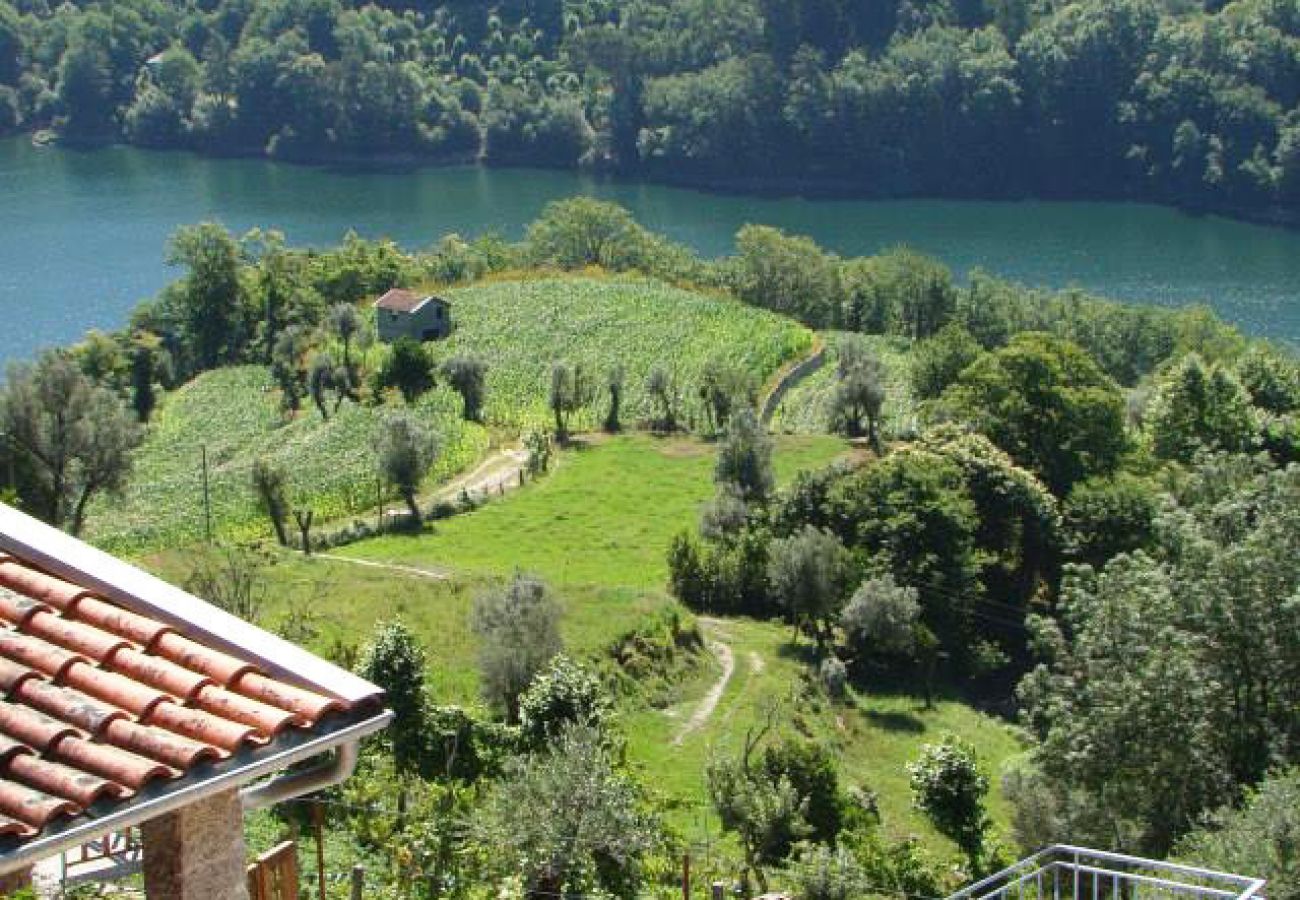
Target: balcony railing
(1063,872)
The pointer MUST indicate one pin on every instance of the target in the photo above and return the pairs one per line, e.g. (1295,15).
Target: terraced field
(522,327)
(806,408)
(235,415)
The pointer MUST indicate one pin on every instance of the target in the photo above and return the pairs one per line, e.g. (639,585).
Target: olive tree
(467,375)
(745,457)
(406,449)
(809,572)
(882,617)
(73,437)
(568,821)
(518,627)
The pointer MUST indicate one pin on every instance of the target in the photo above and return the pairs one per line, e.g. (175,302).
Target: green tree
(949,789)
(938,361)
(408,368)
(1271,378)
(73,436)
(395,661)
(518,627)
(1258,837)
(790,275)
(809,573)
(745,457)
(579,232)
(564,693)
(209,299)
(467,376)
(1199,407)
(1108,516)
(1048,404)
(765,814)
(406,450)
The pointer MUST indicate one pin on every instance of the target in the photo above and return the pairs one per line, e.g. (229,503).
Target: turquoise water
(82,233)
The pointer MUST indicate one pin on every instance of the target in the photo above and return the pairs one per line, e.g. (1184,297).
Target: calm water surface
(82,233)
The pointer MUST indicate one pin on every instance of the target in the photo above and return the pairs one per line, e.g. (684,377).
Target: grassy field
(234,413)
(806,409)
(522,327)
(604,517)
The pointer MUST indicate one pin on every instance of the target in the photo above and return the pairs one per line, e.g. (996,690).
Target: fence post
(358,880)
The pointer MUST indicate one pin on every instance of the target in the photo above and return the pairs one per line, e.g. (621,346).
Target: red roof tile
(402,300)
(97,700)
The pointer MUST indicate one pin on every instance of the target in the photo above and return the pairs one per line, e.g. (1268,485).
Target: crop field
(806,409)
(234,414)
(522,327)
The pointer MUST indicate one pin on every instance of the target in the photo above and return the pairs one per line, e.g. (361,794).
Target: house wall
(434,318)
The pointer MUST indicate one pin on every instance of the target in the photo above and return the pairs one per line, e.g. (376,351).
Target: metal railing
(1063,872)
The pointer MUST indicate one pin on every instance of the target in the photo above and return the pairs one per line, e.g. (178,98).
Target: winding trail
(710,701)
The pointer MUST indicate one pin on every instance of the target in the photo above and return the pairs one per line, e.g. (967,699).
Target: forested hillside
(1157,99)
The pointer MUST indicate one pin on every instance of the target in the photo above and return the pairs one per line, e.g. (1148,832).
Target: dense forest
(1153,99)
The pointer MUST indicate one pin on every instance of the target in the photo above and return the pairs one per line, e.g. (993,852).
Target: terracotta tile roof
(98,702)
(402,300)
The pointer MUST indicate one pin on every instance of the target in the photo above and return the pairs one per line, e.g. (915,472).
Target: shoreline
(780,187)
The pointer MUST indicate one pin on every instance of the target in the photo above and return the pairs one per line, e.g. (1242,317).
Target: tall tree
(518,627)
(209,298)
(74,436)
(1046,402)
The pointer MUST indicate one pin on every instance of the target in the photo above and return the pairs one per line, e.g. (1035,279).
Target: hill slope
(235,414)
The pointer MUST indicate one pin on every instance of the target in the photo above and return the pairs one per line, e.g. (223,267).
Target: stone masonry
(197,852)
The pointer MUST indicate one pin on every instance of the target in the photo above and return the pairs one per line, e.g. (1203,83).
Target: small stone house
(130,704)
(403,313)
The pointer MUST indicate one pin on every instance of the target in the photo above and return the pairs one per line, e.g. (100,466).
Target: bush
(949,788)
(564,693)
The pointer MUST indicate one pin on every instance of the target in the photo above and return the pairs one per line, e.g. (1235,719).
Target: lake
(82,233)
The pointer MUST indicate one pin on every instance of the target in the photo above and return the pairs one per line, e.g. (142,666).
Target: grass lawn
(605,516)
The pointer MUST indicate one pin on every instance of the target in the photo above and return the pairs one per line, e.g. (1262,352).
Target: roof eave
(137,811)
(62,555)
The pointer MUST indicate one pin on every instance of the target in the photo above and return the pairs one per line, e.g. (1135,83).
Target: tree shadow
(894,720)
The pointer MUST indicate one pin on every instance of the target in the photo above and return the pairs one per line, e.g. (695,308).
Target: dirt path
(710,701)
(434,574)
(498,473)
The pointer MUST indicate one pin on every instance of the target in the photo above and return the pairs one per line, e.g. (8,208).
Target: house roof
(402,300)
(116,687)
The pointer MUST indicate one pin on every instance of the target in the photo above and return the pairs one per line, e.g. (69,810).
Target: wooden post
(358,881)
(318,826)
(207,499)
(686,876)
